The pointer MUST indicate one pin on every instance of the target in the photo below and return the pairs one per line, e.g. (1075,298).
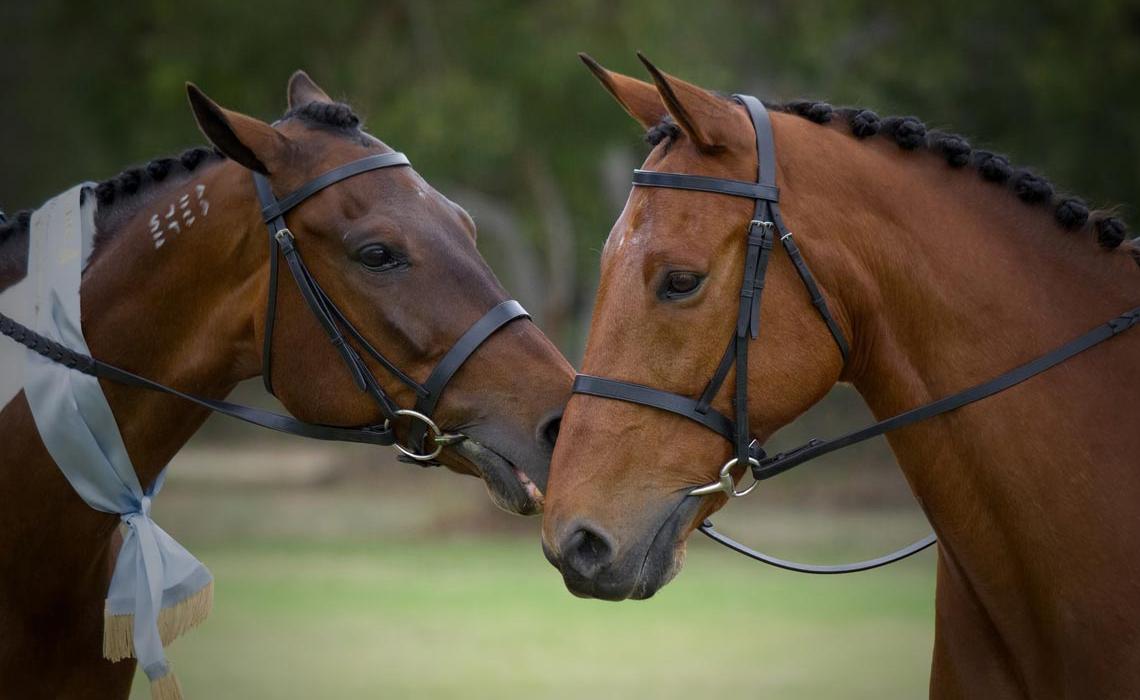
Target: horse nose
(586,551)
(548,430)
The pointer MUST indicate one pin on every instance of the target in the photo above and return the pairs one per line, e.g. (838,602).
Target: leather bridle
(422,448)
(765,225)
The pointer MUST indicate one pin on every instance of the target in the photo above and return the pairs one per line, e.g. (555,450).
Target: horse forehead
(660,225)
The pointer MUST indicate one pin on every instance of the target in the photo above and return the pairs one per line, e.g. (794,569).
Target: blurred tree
(491,104)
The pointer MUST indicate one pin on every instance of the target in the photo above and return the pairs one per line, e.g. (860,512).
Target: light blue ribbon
(79,431)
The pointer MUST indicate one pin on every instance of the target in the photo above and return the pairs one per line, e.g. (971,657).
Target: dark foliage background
(493,107)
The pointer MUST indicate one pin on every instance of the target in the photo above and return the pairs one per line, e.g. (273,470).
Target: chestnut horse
(396,256)
(943,267)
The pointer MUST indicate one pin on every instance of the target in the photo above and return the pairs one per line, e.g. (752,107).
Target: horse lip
(510,488)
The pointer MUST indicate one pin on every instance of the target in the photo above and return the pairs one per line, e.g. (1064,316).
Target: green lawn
(442,617)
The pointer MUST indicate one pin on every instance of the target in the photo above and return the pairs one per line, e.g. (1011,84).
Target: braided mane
(336,115)
(1071,213)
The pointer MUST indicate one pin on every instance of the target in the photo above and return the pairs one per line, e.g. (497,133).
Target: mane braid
(909,133)
(336,115)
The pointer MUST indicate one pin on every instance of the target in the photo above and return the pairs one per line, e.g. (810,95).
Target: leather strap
(499,316)
(765,142)
(817,299)
(648,396)
(372,435)
(274,209)
(709,531)
(780,463)
(716,185)
(265,194)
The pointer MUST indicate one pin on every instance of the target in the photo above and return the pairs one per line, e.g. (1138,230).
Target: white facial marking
(179,214)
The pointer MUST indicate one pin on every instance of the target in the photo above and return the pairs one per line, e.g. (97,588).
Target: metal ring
(725,483)
(430,425)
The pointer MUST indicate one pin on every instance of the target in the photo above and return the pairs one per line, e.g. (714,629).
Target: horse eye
(680,284)
(377,258)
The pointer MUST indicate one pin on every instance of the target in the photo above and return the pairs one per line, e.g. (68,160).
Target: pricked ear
(697,111)
(640,99)
(303,91)
(251,142)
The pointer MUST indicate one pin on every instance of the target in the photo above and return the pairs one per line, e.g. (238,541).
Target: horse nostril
(587,551)
(548,431)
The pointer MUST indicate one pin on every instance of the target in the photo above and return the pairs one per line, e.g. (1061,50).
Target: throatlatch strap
(806,277)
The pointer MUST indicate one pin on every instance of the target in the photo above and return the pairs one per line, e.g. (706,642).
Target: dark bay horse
(943,266)
(394,254)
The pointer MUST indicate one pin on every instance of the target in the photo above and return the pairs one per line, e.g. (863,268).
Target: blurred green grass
(488,617)
(340,573)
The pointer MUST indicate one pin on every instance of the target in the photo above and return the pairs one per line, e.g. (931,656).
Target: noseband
(422,449)
(767,224)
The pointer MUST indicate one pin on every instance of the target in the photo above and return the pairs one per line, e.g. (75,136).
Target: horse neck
(173,294)
(948,281)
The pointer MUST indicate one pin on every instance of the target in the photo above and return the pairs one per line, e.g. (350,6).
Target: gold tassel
(118,630)
(166,688)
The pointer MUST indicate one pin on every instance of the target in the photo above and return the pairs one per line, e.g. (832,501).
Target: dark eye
(680,284)
(378,258)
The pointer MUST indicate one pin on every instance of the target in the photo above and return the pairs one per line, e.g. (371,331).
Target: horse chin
(509,488)
(654,580)
(666,552)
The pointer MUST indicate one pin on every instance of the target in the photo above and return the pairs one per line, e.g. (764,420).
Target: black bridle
(766,224)
(282,243)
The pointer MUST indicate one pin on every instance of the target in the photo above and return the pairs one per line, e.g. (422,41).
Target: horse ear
(696,110)
(640,99)
(251,142)
(303,91)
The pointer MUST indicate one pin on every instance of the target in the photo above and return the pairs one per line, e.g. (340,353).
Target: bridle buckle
(758,223)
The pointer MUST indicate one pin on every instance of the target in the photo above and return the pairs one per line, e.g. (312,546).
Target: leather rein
(765,226)
(425,439)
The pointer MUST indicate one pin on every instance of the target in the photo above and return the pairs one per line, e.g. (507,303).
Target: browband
(277,208)
(716,185)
